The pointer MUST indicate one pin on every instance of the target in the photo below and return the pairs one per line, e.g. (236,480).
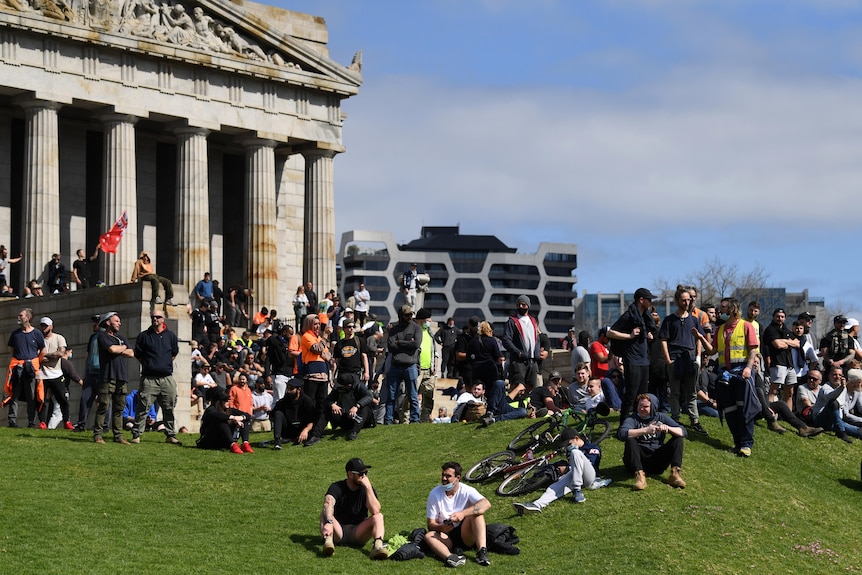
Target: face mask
(428,325)
(448,486)
(725,316)
(570,448)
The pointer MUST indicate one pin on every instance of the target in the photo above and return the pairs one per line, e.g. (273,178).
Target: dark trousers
(447,362)
(317,390)
(636,458)
(22,384)
(88,394)
(221,435)
(282,429)
(347,423)
(59,394)
(637,382)
(783,412)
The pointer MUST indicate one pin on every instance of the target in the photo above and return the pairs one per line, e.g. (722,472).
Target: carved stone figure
(19,5)
(140,18)
(356,64)
(242,46)
(56,9)
(204,30)
(181,29)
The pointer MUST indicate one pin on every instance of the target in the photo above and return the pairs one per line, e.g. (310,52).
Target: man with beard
(521,340)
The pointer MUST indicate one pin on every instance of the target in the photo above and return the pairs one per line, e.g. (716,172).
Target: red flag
(110,240)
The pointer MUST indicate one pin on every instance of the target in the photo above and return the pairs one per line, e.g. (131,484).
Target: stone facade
(213,125)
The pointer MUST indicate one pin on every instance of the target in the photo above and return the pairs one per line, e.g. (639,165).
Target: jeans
(409,375)
(636,458)
(637,382)
(498,403)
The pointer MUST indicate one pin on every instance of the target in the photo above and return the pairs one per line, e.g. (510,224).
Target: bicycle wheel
(533,436)
(490,466)
(598,430)
(525,480)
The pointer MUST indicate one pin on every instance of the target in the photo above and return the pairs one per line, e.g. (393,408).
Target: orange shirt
(240,398)
(308,355)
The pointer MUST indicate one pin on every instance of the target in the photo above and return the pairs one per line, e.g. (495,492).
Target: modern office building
(470,275)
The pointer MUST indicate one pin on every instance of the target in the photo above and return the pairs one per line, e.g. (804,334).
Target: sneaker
(526,508)
(482,557)
(541,412)
(158,300)
(234,448)
(599,483)
(135,440)
(312,440)
(696,426)
(578,496)
(455,560)
(352,435)
(277,446)
(744,452)
(43,425)
(328,545)
(246,447)
(170,301)
(487,420)
(68,425)
(173,441)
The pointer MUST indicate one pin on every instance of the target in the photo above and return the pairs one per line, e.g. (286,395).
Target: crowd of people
(346,371)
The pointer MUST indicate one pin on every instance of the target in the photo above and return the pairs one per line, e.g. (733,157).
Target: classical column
(119,194)
(41,217)
(261,270)
(192,252)
(318,264)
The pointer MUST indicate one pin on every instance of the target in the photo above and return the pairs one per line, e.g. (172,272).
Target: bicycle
(594,429)
(520,476)
(537,435)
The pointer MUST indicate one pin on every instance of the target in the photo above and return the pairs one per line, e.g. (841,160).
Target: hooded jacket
(650,441)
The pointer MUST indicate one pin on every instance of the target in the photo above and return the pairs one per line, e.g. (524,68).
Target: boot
(773,426)
(640,481)
(809,431)
(675,478)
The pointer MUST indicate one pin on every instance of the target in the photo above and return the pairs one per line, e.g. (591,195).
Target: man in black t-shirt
(113,351)
(351,513)
(351,354)
(548,396)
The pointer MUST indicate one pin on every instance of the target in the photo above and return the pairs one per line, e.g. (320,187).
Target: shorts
(526,373)
(261,425)
(348,536)
(782,375)
(455,537)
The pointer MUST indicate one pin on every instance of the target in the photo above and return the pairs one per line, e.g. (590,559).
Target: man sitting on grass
(345,517)
(456,519)
(584,460)
(646,452)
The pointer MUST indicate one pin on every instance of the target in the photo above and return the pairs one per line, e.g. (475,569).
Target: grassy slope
(74,507)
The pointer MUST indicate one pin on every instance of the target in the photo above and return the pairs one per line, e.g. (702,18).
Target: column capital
(255,142)
(319,150)
(191,131)
(30,102)
(114,117)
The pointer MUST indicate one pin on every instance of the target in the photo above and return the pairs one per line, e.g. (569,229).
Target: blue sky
(655,134)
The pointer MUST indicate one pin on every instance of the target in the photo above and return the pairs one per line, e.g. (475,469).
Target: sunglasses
(360,473)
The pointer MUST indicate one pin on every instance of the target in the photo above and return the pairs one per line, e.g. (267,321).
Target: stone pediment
(214,33)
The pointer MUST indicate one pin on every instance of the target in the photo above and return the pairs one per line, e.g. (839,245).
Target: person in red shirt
(599,354)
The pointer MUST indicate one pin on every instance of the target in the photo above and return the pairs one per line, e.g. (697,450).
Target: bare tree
(717,279)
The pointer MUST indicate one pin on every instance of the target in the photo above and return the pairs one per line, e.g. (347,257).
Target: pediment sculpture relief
(164,22)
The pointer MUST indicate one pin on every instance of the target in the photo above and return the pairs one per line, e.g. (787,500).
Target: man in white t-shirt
(261,401)
(456,518)
(52,374)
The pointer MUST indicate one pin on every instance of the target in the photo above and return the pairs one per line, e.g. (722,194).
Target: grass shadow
(312,543)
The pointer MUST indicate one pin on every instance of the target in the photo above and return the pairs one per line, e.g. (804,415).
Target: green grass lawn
(74,507)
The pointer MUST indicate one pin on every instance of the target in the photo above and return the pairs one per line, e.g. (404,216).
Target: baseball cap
(839,318)
(295,382)
(644,293)
(805,315)
(851,323)
(356,465)
(46,321)
(556,375)
(106,316)
(568,434)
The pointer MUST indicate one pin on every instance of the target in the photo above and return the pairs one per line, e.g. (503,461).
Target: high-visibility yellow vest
(738,349)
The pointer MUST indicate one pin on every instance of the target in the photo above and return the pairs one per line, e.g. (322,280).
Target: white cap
(851,323)
(48,321)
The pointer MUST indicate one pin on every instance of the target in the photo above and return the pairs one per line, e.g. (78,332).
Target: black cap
(356,465)
(644,293)
(805,316)
(779,310)
(295,382)
(423,314)
(839,317)
(474,320)
(568,434)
